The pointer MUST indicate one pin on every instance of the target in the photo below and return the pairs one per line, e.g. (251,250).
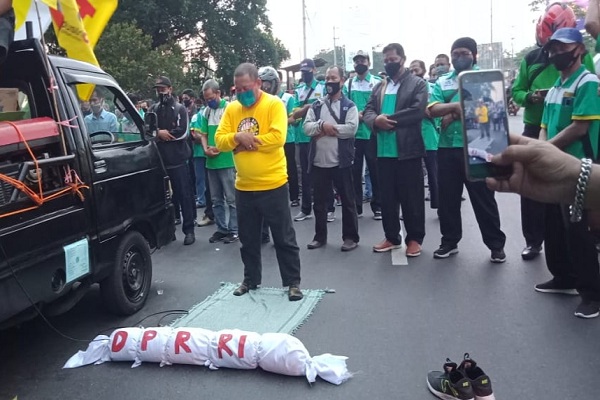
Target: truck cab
(84,195)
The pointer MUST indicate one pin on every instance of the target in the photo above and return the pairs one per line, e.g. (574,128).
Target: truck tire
(126,290)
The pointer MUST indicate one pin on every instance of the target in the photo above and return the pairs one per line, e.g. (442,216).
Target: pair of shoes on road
(586,309)
(413,248)
(294,292)
(224,237)
(531,252)
(464,382)
(497,256)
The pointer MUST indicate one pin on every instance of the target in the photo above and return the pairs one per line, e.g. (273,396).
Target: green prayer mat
(263,310)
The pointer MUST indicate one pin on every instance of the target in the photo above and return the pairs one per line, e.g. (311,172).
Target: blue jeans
(222,190)
(200,165)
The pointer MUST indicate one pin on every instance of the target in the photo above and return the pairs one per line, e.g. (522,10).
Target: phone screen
(485,121)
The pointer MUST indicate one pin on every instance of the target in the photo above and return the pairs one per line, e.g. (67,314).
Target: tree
(136,68)
(164,21)
(237,31)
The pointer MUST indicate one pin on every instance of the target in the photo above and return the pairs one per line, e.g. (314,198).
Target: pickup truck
(84,195)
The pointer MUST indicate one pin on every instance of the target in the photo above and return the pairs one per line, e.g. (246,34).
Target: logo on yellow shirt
(249,125)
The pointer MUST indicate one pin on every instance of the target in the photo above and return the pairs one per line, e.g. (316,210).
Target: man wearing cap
(571,121)
(172,142)
(305,94)
(358,89)
(444,102)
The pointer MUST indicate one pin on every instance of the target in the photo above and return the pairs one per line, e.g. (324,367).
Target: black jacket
(411,102)
(173,117)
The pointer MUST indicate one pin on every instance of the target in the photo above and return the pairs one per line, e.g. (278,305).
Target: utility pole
(334,48)
(304,27)
(491,21)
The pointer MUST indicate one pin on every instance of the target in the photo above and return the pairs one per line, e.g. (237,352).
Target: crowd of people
(248,160)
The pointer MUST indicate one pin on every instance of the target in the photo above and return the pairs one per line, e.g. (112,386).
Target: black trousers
(323,179)
(402,186)
(532,212)
(292,170)
(571,254)
(273,207)
(183,195)
(306,206)
(365,149)
(451,178)
(177,200)
(431,165)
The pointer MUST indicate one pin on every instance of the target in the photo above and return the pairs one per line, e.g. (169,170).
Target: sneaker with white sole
(588,309)
(330,216)
(385,245)
(445,251)
(481,383)
(553,286)
(301,216)
(498,256)
(450,383)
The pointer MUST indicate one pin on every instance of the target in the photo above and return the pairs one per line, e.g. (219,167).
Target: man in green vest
(359,89)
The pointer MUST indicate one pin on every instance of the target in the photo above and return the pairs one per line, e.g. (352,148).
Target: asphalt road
(393,322)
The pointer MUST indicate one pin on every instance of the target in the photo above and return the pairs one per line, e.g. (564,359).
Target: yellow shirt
(482,113)
(265,168)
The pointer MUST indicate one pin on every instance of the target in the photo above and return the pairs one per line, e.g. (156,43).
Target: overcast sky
(424,28)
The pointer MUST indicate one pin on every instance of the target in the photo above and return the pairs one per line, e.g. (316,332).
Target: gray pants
(222,190)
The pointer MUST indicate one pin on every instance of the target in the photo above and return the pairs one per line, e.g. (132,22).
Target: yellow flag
(95,15)
(72,37)
(51,3)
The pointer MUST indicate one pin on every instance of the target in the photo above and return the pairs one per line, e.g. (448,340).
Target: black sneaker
(377,216)
(552,286)
(445,251)
(295,203)
(231,238)
(588,309)
(481,383)
(177,221)
(450,383)
(217,237)
(265,239)
(498,256)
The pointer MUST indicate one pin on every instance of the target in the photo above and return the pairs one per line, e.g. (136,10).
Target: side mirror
(151,123)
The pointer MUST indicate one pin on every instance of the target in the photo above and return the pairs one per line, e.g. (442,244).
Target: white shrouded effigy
(274,352)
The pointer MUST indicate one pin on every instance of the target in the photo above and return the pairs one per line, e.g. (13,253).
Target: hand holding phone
(485,122)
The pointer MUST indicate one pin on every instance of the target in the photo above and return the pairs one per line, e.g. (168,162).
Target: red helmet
(557,15)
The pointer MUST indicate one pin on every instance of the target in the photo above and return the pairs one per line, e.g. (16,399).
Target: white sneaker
(301,216)
(330,217)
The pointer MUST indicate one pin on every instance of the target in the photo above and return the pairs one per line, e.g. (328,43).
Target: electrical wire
(56,330)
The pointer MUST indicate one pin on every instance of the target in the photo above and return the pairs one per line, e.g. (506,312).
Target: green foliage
(136,67)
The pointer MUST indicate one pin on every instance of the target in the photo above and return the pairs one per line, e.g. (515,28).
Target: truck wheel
(126,289)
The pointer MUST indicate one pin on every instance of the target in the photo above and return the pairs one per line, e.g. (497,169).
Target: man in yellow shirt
(255,127)
(483,119)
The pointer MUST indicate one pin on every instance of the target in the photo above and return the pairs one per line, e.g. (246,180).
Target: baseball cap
(361,53)
(307,65)
(162,81)
(565,35)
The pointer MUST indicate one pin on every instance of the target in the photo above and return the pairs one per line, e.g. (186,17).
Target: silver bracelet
(576,209)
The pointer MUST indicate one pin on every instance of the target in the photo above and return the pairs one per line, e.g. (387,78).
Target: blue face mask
(214,104)
(247,98)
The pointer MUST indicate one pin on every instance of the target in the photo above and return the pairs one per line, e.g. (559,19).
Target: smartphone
(543,92)
(485,122)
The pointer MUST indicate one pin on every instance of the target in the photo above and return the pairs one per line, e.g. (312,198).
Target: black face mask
(187,102)
(563,61)
(145,109)
(392,68)
(307,77)
(462,63)
(332,88)
(361,68)
(163,97)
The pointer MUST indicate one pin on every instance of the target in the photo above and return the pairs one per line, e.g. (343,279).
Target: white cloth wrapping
(274,352)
